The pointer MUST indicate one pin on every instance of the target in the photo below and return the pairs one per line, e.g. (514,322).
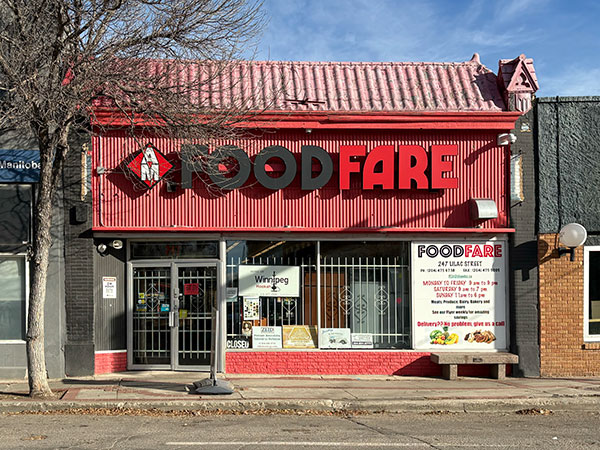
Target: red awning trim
(335,120)
(394,230)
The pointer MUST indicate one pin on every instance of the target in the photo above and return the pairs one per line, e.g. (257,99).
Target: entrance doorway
(170,323)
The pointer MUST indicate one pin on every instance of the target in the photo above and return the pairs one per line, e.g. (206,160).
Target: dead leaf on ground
(535,412)
(39,437)
(438,413)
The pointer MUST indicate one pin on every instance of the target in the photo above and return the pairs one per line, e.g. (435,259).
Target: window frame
(587,337)
(26,263)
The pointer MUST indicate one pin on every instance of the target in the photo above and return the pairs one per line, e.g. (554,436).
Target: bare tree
(64,61)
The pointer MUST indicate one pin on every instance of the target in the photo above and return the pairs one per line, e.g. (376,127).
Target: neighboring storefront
(568,174)
(366,225)
(19,173)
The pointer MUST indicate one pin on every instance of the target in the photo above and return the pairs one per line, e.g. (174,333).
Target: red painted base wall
(342,363)
(317,363)
(110,362)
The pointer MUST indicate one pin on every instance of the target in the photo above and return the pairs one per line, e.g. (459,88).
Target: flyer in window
(251,308)
(334,338)
(266,337)
(299,336)
(362,340)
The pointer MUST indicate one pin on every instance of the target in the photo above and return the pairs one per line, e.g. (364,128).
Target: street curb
(291,406)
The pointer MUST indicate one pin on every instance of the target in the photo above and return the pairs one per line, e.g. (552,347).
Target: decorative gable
(517,82)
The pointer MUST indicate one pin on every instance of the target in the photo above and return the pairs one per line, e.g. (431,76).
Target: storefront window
(15,216)
(269,303)
(592,290)
(363,286)
(12,298)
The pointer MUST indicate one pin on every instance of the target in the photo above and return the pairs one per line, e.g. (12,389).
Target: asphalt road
(561,430)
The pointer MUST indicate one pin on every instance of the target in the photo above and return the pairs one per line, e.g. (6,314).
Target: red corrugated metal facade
(480,166)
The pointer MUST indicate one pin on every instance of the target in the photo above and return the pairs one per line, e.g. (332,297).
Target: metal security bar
(151,331)
(275,311)
(367,295)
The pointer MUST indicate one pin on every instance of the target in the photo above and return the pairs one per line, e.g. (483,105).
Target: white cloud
(571,82)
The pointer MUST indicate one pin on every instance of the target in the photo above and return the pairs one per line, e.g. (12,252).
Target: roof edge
(570,99)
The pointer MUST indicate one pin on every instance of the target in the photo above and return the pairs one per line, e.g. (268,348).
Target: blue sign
(19,166)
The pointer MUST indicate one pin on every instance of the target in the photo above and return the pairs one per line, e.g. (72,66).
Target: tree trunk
(42,241)
(36,360)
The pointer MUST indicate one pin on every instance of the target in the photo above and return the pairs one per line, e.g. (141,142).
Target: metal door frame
(173,264)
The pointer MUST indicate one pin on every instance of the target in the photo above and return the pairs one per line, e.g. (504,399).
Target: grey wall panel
(569,162)
(78,251)
(110,314)
(55,299)
(524,312)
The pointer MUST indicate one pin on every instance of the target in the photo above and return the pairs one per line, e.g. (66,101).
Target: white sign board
(269,281)
(109,287)
(459,295)
(334,338)
(361,340)
(266,337)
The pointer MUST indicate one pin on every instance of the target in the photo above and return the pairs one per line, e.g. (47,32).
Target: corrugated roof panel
(336,86)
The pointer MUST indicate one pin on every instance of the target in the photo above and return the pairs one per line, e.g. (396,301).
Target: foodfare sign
(386,166)
(459,295)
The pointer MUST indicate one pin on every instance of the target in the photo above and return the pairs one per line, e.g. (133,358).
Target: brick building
(568,173)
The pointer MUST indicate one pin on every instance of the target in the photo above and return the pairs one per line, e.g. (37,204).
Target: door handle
(172,318)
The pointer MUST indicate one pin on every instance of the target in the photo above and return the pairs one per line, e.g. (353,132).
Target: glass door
(197,295)
(171,323)
(151,343)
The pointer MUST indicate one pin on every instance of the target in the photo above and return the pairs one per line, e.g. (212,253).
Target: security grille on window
(363,289)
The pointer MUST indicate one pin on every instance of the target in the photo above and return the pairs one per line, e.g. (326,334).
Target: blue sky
(562,36)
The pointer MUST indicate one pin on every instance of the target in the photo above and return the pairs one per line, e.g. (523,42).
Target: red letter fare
(384,178)
(409,171)
(439,166)
(347,166)
(483,251)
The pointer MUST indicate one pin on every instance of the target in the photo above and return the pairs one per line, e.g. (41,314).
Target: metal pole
(318,292)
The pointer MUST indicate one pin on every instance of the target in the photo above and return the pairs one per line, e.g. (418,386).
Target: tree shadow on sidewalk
(129,384)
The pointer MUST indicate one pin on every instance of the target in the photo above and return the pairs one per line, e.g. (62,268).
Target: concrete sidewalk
(169,390)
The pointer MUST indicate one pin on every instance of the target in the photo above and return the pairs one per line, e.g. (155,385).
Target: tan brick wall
(562,348)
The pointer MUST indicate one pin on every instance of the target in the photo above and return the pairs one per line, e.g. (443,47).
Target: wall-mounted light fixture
(308,130)
(101,248)
(117,244)
(100,170)
(506,139)
(572,236)
(483,209)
